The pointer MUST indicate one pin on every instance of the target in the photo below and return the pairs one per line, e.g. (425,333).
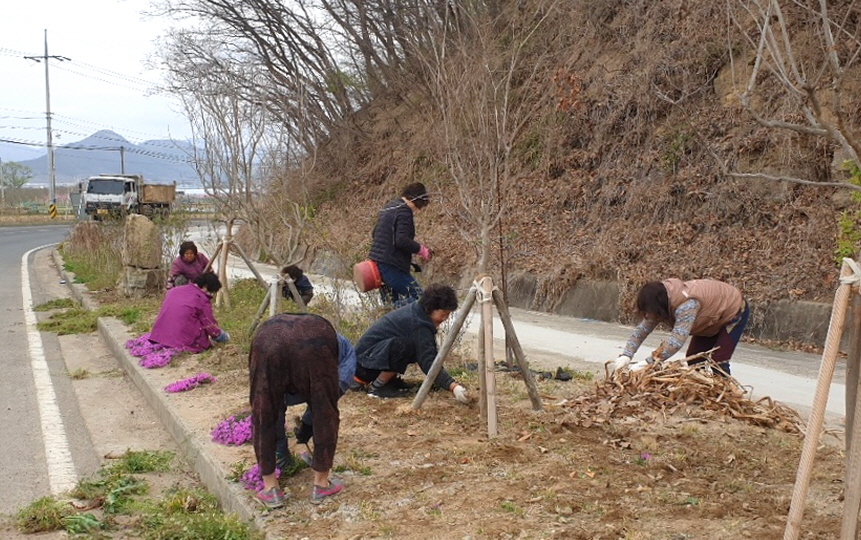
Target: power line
(128,149)
(99,79)
(116,74)
(84,123)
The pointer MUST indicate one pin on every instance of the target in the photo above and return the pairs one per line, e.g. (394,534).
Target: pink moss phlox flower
(152,355)
(252,479)
(233,431)
(189,383)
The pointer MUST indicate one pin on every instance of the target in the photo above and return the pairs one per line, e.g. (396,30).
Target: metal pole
(2,185)
(52,171)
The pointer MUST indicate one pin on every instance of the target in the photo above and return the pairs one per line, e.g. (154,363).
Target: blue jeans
(399,288)
(280,430)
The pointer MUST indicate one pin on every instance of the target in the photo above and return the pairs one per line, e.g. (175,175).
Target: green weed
(237,470)
(82,523)
(511,508)
(849,222)
(187,501)
(135,462)
(42,515)
(57,303)
(72,321)
(355,463)
(81,321)
(129,315)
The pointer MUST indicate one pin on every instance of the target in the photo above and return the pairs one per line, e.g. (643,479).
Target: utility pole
(52,173)
(122,160)
(2,185)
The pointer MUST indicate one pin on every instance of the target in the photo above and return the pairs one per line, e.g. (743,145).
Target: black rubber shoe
(387,391)
(400,384)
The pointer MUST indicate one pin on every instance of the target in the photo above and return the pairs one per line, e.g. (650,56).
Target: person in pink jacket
(185,320)
(187,266)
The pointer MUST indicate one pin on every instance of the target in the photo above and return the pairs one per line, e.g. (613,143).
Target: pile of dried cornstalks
(672,389)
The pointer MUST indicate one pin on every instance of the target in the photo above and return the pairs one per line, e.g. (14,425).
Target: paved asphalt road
(40,424)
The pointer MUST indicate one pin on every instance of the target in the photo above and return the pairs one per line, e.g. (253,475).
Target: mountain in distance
(106,152)
(18,152)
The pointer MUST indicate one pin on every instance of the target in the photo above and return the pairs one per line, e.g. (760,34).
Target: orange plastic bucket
(366,276)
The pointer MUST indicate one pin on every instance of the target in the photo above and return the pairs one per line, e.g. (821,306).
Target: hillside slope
(627,184)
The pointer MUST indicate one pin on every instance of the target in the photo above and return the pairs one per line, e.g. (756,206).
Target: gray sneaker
(271,498)
(319,493)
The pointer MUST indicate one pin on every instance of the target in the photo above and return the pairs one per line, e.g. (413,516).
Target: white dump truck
(115,195)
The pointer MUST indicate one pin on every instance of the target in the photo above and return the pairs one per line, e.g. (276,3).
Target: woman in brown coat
(295,354)
(711,312)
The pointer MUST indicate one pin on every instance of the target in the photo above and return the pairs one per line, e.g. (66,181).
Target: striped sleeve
(685,316)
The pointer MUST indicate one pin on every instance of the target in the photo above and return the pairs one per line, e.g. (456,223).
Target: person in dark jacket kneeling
(402,337)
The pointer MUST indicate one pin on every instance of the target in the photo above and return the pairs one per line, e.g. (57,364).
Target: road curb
(114,334)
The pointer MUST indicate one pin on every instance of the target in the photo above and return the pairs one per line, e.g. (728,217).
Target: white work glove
(621,362)
(637,366)
(460,394)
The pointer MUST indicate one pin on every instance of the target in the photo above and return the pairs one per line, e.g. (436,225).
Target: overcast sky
(105,83)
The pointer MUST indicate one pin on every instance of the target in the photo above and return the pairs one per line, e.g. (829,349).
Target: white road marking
(61,469)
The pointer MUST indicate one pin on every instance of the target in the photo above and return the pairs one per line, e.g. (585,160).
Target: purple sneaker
(319,493)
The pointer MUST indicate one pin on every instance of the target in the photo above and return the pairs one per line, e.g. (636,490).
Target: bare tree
(808,49)
(301,76)
(483,113)
(240,153)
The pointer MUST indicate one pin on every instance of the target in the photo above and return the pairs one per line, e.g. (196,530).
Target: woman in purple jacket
(187,266)
(185,320)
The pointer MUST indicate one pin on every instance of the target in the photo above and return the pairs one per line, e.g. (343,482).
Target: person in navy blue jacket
(402,337)
(394,244)
(302,283)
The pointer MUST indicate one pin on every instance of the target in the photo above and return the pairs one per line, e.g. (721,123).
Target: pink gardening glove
(424,253)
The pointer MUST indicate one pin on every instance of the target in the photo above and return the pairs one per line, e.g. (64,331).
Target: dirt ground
(433,473)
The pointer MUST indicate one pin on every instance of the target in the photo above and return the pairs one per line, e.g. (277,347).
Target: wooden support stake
(505,315)
(820,400)
(273,296)
(213,258)
(853,366)
(259,313)
(486,284)
(482,374)
(249,264)
(852,494)
(297,298)
(223,295)
(447,343)
(852,480)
